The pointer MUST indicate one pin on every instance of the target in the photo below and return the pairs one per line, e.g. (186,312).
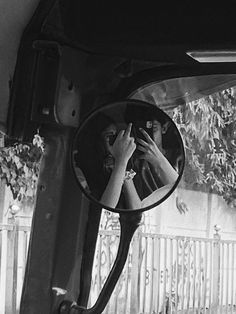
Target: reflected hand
(124,146)
(154,156)
(151,152)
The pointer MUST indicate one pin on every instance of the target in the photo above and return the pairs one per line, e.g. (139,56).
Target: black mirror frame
(119,210)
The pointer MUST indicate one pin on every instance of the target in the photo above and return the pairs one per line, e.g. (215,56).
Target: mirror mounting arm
(129,222)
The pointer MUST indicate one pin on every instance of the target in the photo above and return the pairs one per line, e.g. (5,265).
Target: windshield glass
(204,110)
(178,235)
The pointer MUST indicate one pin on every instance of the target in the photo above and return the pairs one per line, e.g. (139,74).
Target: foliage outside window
(206,118)
(208,129)
(19,167)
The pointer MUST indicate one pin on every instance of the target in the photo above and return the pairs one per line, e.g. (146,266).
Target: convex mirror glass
(128,156)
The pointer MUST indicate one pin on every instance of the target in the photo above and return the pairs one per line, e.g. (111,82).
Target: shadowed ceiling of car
(163,22)
(158,31)
(14,16)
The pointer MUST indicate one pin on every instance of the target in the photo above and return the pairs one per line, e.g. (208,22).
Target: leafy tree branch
(208,129)
(19,167)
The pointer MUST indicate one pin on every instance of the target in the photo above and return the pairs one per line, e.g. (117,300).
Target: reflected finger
(121,134)
(146,135)
(142,149)
(140,141)
(128,130)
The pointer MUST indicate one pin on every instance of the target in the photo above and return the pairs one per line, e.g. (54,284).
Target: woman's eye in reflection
(109,134)
(110,138)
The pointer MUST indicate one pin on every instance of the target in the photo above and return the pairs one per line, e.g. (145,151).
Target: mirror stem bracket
(129,222)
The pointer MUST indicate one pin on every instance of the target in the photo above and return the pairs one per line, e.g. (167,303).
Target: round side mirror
(128,155)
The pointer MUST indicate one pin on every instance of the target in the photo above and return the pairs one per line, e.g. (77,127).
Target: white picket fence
(168,274)
(163,274)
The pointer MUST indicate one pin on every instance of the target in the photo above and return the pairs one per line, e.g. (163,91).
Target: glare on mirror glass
(128,156)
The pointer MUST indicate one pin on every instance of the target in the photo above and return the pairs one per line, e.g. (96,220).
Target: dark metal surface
(156,30)
(56,227)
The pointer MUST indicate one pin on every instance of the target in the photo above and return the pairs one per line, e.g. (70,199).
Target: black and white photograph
(117,157)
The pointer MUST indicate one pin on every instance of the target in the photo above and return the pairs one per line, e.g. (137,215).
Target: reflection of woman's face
(108,136)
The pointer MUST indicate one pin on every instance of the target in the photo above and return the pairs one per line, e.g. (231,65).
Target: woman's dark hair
(91,152)
(99,123)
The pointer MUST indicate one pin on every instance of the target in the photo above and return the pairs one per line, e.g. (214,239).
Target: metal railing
(169,274)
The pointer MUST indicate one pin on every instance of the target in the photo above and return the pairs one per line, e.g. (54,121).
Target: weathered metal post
(216,269)
(134,304)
